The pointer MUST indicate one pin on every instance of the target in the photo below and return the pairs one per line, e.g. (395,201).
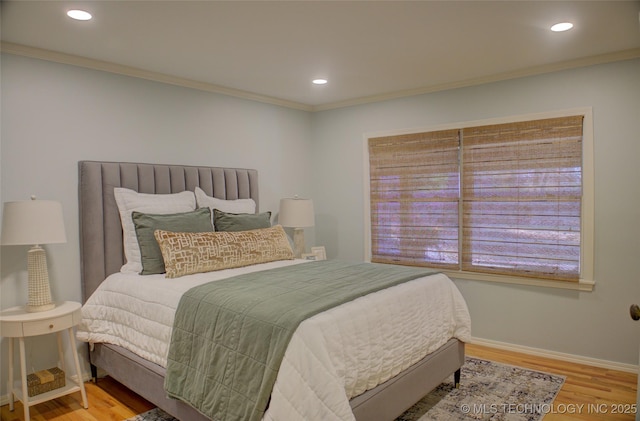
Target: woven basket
(44,381)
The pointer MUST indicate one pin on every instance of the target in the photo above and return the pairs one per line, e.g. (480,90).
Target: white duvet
(332,357)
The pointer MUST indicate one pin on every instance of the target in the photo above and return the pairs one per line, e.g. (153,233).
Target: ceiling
(368,50)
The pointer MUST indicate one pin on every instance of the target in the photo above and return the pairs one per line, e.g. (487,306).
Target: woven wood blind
(522,191)
(519,186)
(414,192)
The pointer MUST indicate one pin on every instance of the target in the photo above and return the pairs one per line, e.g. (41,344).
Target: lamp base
(39,291)
(35,309)
(298,242)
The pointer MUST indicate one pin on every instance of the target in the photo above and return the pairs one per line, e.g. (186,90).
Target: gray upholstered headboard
(101,250)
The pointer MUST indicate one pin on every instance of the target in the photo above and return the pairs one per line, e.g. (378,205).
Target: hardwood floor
(589,393)
(108,401)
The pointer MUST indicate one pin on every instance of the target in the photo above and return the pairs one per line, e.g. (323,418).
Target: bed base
(383,403)
(390,399)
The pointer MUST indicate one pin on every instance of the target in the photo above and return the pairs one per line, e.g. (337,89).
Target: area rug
(489,391)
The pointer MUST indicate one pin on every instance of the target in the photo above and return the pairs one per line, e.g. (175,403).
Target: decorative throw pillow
(224,221)
(130,200)
(186,253)
(230,206)
(198,220)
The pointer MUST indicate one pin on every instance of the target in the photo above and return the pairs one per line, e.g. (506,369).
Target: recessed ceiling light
(79,15)
(562,26)
(320,81)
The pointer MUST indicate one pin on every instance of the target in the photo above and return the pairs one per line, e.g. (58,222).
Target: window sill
(582,285)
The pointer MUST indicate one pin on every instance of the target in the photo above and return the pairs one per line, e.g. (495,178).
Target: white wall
(591,324)
(55,115)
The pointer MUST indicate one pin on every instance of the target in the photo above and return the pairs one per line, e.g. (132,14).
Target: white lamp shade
(296,213)
(33,222)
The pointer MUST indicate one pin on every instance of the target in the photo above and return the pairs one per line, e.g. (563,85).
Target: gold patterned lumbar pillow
(185,253)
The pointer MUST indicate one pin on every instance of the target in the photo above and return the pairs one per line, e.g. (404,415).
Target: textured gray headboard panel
(101,250)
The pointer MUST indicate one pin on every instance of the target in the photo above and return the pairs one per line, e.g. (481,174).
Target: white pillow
(129,200)
(228,206)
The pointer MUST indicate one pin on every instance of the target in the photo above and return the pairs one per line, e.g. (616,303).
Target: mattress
(332,357)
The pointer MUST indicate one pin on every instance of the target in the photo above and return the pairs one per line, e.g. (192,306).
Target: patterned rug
(489,391)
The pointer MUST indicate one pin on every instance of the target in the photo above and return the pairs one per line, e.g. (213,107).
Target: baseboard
(578,359)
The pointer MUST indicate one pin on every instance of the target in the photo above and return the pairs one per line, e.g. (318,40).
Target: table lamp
(296,213)
(34,222)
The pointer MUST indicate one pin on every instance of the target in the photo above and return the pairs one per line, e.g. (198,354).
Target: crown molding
(105,66)
(39,53)
(530,71)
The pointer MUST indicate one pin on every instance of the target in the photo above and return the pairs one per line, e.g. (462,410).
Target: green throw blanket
(229,336)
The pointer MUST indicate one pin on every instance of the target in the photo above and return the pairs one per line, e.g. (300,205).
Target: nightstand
(16,322)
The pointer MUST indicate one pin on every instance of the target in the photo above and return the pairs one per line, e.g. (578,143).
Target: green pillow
(145,224)
(224,221)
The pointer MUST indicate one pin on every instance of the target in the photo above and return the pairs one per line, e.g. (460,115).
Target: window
(502,199)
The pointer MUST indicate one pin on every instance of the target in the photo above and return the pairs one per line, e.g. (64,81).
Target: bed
(101,242)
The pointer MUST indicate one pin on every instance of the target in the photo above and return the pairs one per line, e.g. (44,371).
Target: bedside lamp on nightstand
(297,213)
(34,222)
